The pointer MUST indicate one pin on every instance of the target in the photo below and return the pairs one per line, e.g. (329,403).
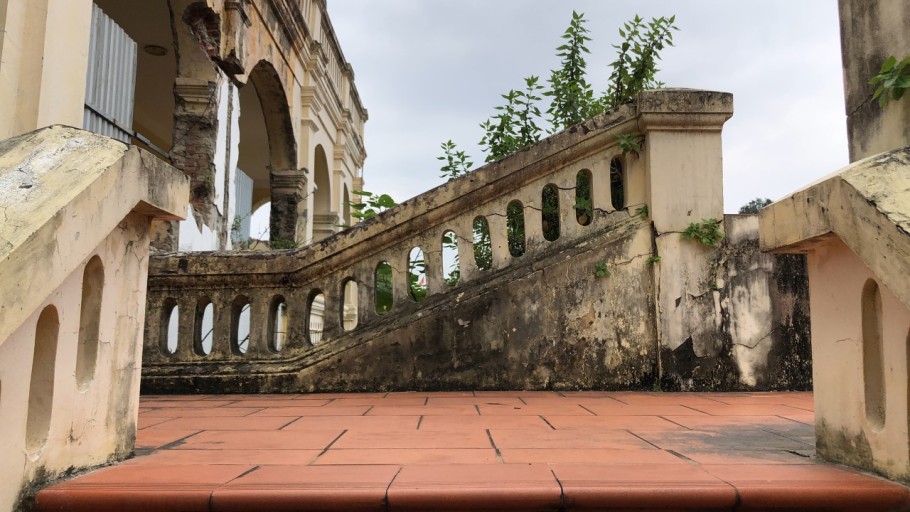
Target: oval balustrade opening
(317,319)
(515,225)
(205,328)
(549,212)
(382,287)
(584,206)
(483,244)
(349,310)
(417,275)
(278,324)
(451,273)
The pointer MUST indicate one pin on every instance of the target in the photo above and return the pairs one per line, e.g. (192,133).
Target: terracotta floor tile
(476,400)
(810,487)
(807,418)
(148,421)
(588,456)
(261,440)
(423,410)
(294,488)
(642,487)
(475,438)
(343,396)
(244,423)
(522,394)
(751,456)
(226,456)
(445,423)
(403,400)
(430,393)
(475,487)
(357,410)
(157,475)
(727,422)
(206,404)
(712,440)
(746,410)
(263,396)
(198,412)
(577,438)
(279,403)
(611,409)
(408,456)
(564,409)
(174,398)
(155,438)
(369,423)
(611,422)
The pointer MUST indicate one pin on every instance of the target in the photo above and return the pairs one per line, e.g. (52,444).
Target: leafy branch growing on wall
(892,80)
(630,143)
(370,204)
(707,232)
(517,123)
(601,270)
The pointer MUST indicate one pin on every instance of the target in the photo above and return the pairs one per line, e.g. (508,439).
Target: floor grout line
(493,444)
(589,410)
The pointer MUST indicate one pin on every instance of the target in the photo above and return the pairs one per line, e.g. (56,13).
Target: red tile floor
(476,451)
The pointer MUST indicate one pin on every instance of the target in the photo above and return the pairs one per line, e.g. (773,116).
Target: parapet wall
(580,308)
(76,210)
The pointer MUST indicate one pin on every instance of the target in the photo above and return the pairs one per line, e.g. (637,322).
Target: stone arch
(324,220)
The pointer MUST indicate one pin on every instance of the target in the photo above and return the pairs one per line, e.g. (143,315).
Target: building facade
(252,99)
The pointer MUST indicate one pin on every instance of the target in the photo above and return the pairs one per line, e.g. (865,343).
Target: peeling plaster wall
(740,319)
(91,427)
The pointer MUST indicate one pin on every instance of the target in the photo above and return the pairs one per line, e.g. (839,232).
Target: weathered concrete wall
(870,33)
(76,211)
(542,320)
(854,227)
(746,322)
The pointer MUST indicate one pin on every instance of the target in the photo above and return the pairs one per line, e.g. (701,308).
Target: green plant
(654,258)
(601,270)
(892,80)
(755,205)
(451,274)
(456,162)
(630,143)
(283,244)
(371,204)
(572,97)
(515,126)
(635,66)
(642,212)
(707,232)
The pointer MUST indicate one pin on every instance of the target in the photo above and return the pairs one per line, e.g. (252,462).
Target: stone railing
(568,304)
(76,209)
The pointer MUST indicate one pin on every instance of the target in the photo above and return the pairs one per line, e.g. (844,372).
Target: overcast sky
(432,70)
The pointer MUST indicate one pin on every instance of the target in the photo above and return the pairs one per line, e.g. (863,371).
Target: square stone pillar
(289,213)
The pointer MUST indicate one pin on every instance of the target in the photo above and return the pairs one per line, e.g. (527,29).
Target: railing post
(289,205)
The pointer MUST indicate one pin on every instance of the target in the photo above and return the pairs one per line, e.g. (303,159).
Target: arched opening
(324,223)
(41,387)
(417,275)
(315,333)
(483,244)
(451,271)
(549,212)
(617,184)
(873,355)
(584,205)
(515,225)
(278,324)
(267,160)
(169,336)
(89,322)
(204,327)
(349,308)
(240,325)
(382,287)
(346,208)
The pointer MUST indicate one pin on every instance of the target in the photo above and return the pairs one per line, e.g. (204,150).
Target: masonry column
(684,183)
(289,208)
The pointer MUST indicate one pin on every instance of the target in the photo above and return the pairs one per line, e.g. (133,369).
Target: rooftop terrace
(476,451)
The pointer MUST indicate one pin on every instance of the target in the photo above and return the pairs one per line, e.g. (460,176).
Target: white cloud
(431,70)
